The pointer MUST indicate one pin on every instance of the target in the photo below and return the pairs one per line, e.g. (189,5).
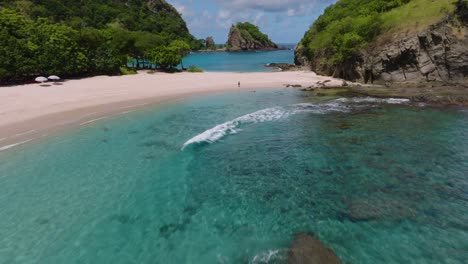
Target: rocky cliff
(439,52)
(247,37)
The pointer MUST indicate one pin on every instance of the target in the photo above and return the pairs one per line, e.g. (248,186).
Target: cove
(231,178)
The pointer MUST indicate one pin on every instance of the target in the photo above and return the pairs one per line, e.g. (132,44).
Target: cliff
(247,37)
(432,48)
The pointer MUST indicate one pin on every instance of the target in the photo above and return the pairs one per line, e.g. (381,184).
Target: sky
(284,21)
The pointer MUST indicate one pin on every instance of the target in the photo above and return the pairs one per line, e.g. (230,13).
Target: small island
(248,37)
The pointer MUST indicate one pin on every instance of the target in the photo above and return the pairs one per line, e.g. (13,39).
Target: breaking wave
(278,113)
(269,256)
(233,126)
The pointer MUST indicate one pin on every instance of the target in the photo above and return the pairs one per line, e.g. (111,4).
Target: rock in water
(247,37)
(305,249)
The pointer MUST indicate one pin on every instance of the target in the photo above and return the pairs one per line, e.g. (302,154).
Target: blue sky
(285,21)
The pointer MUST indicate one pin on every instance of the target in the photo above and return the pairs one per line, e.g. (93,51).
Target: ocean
(251,61)
(247,61)
(232,177)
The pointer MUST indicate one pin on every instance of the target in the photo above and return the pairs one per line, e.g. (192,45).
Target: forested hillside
(83,37)
(388,40)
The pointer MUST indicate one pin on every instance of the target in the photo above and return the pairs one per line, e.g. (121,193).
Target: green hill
(246,36)
(83,37)
(353,38)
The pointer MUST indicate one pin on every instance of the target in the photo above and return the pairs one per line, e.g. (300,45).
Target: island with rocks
(248,37)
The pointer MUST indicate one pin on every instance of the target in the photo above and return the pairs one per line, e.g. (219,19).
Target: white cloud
(181,9)
(273,5)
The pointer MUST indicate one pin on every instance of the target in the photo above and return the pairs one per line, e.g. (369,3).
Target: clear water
(251,61)
(377,182)
(238,61)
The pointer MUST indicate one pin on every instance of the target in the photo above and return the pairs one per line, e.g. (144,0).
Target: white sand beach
(32,111)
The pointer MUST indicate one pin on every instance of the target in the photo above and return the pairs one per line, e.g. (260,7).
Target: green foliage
(86,37)
(345,28)
(462,10)
(194,69)
(16,50)
(158,17)
(127,71)
(416,15)
(166,57)
(247,29)
(350,25)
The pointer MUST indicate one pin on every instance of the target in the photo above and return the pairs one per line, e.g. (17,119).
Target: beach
(32,111)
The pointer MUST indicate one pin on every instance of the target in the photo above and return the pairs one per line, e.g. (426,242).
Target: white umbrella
(41,79)
(54,78)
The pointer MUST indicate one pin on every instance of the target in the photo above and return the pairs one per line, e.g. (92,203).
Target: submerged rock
(305,249)
(375,209)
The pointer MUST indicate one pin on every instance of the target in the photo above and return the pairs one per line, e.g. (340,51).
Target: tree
(57,50)
(166,57)
(182,48)
(16,50)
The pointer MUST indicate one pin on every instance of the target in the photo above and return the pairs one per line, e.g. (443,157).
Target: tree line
(84,38)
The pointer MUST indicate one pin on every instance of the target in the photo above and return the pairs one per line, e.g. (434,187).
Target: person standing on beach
(238,84)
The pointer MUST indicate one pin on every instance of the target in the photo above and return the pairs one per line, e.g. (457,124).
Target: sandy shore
(29,112)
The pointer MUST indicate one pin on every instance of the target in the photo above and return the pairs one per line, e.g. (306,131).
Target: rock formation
(305,249)
(247,37)
(209,43)
(438,53)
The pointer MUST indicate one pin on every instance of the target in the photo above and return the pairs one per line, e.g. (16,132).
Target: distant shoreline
(31,111)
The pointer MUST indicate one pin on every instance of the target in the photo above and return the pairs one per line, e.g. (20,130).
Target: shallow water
(238,61)
(377,181)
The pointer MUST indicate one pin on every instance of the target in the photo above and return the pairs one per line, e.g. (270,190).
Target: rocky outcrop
(284,66)
(299,56)
(242,40)
(437,54)
(305,249)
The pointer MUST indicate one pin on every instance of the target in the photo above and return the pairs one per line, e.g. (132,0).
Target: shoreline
(31,112)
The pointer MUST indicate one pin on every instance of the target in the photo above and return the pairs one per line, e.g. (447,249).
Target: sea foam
(278,113)
(213,134)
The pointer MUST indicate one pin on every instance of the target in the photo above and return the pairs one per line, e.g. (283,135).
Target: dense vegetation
(350,25)
(86,37)
(248,29)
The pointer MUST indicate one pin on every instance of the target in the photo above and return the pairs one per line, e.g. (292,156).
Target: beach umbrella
(54,78)
(41,79)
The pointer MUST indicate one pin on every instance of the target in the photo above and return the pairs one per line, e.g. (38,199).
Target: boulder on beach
(305,249)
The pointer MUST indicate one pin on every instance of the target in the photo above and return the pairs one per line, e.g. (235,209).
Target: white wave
(92,121)
(232,127)
(277,113)
(373,100)
(14,145)
(322,108)
(25,133)
(267,256)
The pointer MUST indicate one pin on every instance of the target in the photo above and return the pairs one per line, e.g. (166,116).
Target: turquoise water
(238,61)
(251,61)
(377,181)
